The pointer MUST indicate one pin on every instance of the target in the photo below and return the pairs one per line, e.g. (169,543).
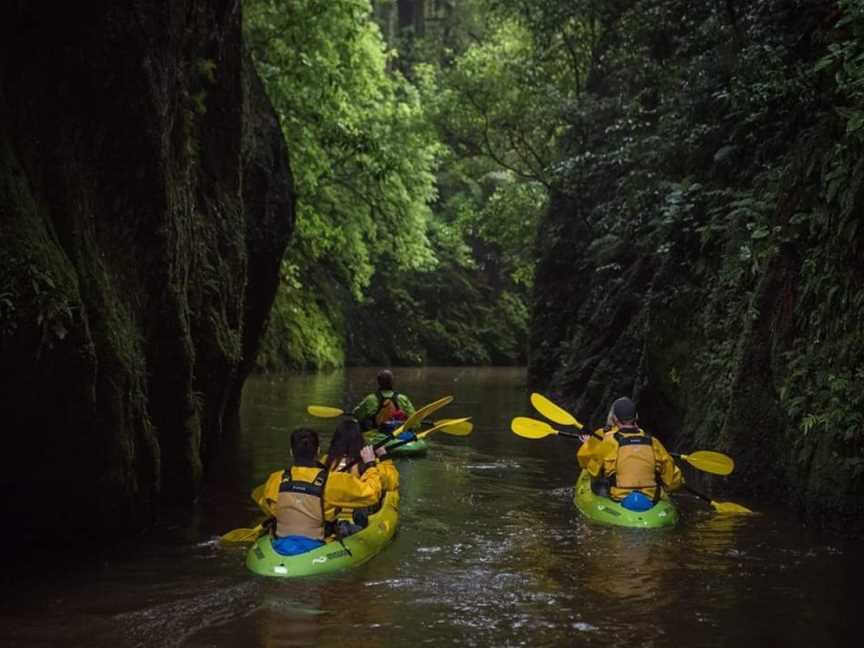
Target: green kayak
(333,556)
(413,449)
(603,509)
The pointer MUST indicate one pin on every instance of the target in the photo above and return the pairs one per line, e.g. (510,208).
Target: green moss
(305,332)
(38,287)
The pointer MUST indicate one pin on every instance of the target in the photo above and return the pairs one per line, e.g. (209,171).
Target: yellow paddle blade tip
(456,427)
(731,508)
(449,426)
(241,535)
(322,411)
(710,461)
(530,428)
(553,412)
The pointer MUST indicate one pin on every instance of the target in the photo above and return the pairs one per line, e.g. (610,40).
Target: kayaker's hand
(367,454)
(381,452)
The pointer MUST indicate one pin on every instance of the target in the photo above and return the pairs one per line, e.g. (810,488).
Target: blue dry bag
(293,545)
(636,501)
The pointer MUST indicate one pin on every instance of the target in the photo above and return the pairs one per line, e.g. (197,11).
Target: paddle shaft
(578,435)
(686,457)
(572,435)
(380,444)
(695,492)
(674,454)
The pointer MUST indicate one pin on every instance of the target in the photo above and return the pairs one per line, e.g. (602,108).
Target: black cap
(624,409)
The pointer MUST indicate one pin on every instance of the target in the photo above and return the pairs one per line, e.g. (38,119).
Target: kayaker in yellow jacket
(344,455)
(306,496)
(381,407)
(634,464)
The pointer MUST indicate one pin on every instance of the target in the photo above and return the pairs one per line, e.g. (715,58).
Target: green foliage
(824,396)
(361,153)
(845,59)
(710,192)
(374,219)
(502,99)
(303,333)
(496,103)
(508,220)
(448,316)
(826,366)
(33,297)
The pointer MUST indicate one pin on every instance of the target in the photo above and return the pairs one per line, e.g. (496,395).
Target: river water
(490,552)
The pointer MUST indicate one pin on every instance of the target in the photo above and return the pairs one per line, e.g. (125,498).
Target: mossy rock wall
(703,253)
(146,202)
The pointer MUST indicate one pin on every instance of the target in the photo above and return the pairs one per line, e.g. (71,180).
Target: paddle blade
(710,461)
(322,411)
(731,507)
(554,413)
(720,507)
(262,502)
(415,419)
(445,426)
(531,428)
(456,427)
(242,535)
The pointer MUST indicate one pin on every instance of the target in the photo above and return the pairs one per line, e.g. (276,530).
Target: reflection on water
(490,551)
(630,567)
(284,628)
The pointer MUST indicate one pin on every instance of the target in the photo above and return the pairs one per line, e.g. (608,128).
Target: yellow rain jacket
(588,449)
(633,460)
(389,476)
(297,516)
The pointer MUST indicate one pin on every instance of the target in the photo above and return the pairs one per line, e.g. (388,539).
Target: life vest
(635,464)
(388,408)
(300,506)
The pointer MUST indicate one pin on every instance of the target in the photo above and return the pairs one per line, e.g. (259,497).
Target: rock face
(704,253)
(145,202)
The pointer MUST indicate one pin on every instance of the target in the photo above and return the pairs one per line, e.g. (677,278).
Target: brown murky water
(490,552)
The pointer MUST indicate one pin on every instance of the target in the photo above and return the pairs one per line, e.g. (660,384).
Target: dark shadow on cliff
(146,202)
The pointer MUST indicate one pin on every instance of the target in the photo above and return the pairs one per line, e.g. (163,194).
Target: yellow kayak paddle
(704,460)
(534,429)
(446,426)
(716,463)
(246,534)
(324,411)
(553,412)
(720,507)
(242,535)
(417,417)
(454,427)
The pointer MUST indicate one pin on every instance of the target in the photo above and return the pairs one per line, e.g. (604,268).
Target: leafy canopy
(362,154)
